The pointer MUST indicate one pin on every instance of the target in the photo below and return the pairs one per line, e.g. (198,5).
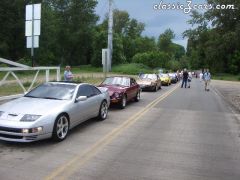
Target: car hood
(25,105)
(112,89)
(164,78)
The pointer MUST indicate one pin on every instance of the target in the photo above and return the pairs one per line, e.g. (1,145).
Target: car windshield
(164,75)
(121,81)
(149,76)
(53,91)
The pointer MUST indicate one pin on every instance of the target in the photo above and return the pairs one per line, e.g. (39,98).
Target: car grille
(31,137)
(10,136)
(7,129)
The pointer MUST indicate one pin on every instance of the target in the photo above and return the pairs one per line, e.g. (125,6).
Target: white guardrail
(20,67)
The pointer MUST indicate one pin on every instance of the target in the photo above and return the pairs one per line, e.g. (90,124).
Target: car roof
(69,82)
(119,76)
(64,82)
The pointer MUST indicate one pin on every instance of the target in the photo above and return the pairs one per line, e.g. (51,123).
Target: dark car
(122,89)
(174,78)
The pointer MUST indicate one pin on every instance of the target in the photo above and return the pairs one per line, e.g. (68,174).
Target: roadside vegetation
(226,77)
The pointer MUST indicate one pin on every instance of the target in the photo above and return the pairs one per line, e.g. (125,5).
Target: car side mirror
(81,98)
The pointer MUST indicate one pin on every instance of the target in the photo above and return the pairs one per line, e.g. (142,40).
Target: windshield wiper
(31,96)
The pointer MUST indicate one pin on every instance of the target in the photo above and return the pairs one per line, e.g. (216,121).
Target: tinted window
(53,91)
(133,82)
(96,91)
(85,90)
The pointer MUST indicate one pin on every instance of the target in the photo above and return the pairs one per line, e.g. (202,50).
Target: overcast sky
(156,21)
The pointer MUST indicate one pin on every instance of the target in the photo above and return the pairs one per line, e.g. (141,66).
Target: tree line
(215,42)
(71,34)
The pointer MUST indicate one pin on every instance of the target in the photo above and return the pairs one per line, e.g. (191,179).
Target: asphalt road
(172,134)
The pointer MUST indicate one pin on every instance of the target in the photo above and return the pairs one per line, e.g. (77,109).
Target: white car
(50,110)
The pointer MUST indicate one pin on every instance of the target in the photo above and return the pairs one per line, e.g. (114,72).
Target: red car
(122,89)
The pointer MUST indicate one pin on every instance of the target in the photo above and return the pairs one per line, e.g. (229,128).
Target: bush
(133,69)
(25,61)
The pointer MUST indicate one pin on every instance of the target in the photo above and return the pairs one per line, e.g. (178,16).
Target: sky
(156,21)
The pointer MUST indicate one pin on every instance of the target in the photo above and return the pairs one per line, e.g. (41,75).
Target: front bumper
(145,87)
(165,82)
(115,100)
(14,134)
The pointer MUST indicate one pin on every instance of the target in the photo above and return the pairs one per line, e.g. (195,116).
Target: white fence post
(47,75)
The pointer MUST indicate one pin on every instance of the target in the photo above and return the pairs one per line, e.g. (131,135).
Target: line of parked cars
(53,108)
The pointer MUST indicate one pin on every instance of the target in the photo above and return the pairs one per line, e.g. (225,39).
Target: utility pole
(110,35)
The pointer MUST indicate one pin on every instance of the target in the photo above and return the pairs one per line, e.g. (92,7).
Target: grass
(226,77)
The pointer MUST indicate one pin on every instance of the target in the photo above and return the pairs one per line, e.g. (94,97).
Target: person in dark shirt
(185,78)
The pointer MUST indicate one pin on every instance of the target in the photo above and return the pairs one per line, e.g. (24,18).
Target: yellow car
(165,79)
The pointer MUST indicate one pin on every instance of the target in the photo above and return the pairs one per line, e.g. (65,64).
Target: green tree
(165,41)
(215,46)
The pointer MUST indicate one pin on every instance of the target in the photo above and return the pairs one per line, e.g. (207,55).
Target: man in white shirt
(68,76)
(207,79)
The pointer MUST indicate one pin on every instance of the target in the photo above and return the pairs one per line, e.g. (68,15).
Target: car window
(149,76)
(85,90)
(53,91)
(122,81)
(96,91)
(133,82)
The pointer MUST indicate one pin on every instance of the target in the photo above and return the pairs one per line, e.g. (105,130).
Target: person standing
(201,76)
(68,76)
(184,78)
(189,79)
(207,79)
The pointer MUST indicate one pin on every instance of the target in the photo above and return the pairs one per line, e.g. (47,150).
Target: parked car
(50,110)
(150,81)
(173,77)
(165,79)
(122,89)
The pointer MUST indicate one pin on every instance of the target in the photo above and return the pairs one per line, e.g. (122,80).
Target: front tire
(103,111)
(61,128)
(137,98)
(123,102)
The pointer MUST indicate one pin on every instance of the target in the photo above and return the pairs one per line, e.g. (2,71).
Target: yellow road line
(66,170)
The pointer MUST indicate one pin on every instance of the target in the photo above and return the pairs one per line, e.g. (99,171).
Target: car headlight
(29,118)
(1,113)
(32,130)
(117,95)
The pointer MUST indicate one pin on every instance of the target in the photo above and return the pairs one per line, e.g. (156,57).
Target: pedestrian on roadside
(207,79)
(189,79)
(184,78)
(178,75)
(201,77)
(140,75)
(68,76)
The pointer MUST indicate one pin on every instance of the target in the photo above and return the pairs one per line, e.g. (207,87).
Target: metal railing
(20,67)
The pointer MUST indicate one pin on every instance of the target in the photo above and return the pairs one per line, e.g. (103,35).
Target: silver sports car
(50,110)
